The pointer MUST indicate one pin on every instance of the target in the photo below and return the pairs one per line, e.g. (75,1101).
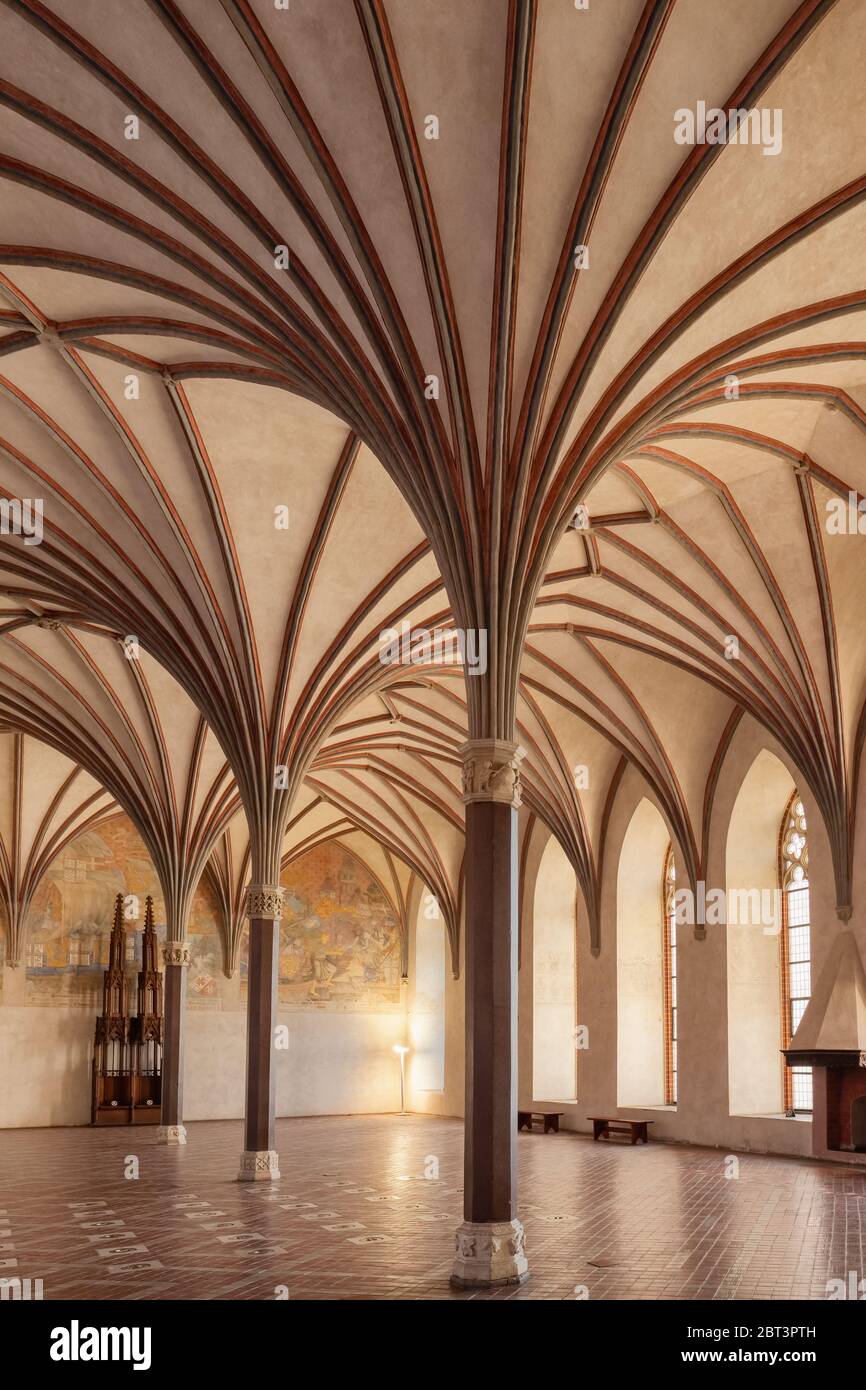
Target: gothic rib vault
(243,308)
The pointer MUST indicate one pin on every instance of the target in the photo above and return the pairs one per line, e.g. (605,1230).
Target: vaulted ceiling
(299,343)
(48,802)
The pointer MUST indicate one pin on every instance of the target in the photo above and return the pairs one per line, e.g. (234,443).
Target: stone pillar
(260,1161)
(175,959)
(490,1241)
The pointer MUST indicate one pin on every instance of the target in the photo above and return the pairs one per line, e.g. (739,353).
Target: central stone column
(260,1161)
(490,1242)
(175,959)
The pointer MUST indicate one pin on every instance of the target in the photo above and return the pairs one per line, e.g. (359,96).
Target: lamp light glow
(401,1049)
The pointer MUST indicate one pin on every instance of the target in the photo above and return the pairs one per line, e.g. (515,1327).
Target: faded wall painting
(68,928)
(207,986)
(69,924)
(339,939)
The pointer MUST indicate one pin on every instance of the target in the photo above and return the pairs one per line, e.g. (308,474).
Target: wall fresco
(68,928)
(339,939)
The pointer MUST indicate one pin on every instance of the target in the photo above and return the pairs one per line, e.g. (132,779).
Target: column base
(489,1253)
(171,1134)
(262,1166)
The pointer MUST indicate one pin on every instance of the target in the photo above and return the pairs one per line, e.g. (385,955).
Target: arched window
(795,944)
(669,974)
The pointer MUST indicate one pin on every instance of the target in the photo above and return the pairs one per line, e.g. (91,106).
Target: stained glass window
(795,941)
(669,974)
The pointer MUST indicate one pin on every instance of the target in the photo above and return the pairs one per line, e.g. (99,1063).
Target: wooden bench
(550,1118)
(602,1128)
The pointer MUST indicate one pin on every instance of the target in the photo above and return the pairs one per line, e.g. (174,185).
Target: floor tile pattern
(367,1207)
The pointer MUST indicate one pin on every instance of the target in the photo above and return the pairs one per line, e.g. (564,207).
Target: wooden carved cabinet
(127,1053)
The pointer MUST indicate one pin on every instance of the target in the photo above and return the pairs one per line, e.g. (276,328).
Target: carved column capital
(175,953)
(491,770)
(265,900)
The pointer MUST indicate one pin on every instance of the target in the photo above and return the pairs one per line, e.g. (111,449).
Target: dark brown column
(490,1241)
(260,1161)
(491,991)
(175,956)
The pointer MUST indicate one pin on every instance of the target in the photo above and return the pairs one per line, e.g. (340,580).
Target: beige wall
(553,987)
(753,954)
(334,1064)
(340,1062)
(341,1029)
(449,1100)
(640,1026)
(703,1114)
(428,966)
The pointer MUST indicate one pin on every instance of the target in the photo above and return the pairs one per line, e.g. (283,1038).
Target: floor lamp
(401,1050)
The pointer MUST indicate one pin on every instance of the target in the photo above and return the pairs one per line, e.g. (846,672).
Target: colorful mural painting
(72,910)
(339,939)
(70,922)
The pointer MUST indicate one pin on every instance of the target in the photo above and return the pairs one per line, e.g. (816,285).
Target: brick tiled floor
(355,1217)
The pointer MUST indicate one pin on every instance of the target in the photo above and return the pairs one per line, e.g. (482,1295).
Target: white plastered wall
(336,1063)
(46,1052)
(422,1098)
(703,1114)
(640,1026)
(554,1072)
(753,954)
